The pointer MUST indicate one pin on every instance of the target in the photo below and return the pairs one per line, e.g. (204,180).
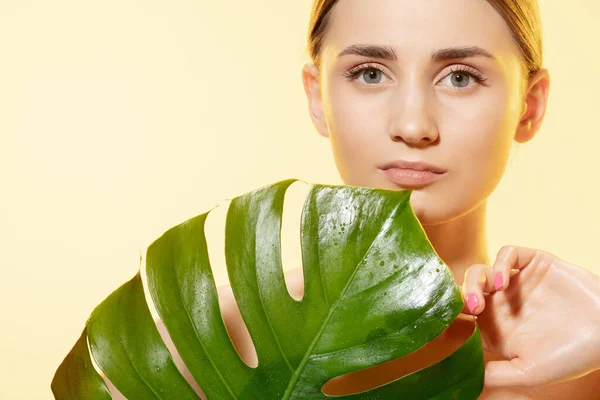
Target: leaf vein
(197,337)
(304,361)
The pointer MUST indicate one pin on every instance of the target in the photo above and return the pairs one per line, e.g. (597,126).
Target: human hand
(542,313)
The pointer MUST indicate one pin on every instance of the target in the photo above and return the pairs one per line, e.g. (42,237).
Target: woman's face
(416,108)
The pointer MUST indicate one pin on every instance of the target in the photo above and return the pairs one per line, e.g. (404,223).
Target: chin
(429,211)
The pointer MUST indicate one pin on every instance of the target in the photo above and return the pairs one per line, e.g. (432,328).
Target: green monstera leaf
(375,290)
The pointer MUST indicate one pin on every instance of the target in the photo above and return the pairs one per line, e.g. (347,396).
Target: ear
(534,106)
(312,88)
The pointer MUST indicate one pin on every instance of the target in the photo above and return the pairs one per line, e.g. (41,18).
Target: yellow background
(120,119)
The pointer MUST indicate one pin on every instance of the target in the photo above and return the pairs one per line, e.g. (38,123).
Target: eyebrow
(388,53)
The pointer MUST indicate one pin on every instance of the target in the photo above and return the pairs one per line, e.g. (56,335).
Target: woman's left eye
(461,77)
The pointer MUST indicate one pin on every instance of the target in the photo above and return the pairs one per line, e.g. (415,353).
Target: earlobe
(312,88)
(534,110)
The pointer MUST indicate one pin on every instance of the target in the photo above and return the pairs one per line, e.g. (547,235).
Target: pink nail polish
(498,281)
(472,302)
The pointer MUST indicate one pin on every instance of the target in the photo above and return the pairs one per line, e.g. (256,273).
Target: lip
(412,173)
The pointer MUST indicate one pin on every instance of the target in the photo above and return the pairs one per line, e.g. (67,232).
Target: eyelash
(353,73)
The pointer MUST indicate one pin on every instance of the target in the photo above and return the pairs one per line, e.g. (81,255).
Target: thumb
(506,373)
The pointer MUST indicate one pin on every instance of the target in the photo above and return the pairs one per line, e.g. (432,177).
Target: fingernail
(498,281)
(472,302)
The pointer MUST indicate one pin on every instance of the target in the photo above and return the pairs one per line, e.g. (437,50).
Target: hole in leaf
(214,229)
(431,353)
(291,246)
(114,392)
(236,328)
(164,335)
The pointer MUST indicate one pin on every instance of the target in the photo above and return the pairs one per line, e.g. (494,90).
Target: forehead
(418,27)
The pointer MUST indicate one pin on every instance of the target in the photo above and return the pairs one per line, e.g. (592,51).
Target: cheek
(485,142)
(476,145)
(355,124)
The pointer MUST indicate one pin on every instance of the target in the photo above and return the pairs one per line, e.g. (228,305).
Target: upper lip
(414,165)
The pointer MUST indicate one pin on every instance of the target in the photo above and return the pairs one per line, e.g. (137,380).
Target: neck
(462,241)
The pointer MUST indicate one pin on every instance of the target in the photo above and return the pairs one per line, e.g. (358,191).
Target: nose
(412,121)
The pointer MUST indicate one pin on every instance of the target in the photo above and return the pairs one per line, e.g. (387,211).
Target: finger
(509,373)
(508,258)
(477,280)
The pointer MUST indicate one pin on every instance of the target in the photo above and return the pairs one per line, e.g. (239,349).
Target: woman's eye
(461,79)
(371,76)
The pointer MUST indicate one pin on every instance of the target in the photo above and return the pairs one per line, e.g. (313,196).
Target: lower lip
(411,177)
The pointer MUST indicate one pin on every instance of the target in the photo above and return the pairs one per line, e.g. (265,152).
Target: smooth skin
(544,317)
(539,328)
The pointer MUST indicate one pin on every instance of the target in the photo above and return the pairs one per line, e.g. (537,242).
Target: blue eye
(372,75)
(461,77)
